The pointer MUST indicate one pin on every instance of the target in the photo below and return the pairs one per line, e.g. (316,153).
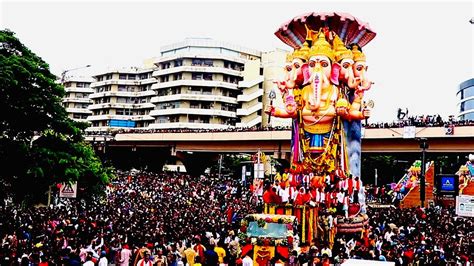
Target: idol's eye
(289,68)
(324,64)
(297,65)
(346,65)
(312,63)
(360,67)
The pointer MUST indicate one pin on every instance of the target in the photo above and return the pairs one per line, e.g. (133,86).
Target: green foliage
(39,145)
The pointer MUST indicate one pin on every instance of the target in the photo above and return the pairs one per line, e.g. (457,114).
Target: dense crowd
(422,121)
(173,219)
(165,212)
(194,130)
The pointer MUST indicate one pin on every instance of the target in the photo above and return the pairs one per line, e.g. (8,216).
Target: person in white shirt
(247,261)
(326,251)
(284,193)
(89,261)
(103,259)
(145,261)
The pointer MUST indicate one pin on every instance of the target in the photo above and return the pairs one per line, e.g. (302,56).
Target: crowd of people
(422,121)
(174,219)
(164,213)
(418,121)
(193,130)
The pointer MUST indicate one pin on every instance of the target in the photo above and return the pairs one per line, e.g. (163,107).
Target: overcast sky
(422,52)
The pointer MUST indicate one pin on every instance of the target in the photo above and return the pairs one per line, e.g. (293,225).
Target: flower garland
(290,222)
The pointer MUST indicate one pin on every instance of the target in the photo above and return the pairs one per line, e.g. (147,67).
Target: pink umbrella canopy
(347,27)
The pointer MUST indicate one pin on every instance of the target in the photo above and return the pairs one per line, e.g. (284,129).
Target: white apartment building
(76,101)
(121,99)
(202,83)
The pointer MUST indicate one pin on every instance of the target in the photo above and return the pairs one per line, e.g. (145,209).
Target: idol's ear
(306,73)
(336,69)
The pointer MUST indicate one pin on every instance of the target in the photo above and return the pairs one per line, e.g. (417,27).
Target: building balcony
(257,120)
(249,97)
(115,82)
(132,106)
(251,110)
(78,110)
(81,90)
(201,69)
(80,120)
(122,94)
(147,81)
(251,83)
(203,56)
(194,97)
(76,100)
(192,111)
(197,83)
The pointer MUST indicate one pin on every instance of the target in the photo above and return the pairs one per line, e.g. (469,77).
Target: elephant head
(296,70)
(345,61)
(360,70)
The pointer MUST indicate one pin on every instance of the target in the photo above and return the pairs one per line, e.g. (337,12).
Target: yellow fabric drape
(263,254)
(311,229)
(303,220)
(271,209)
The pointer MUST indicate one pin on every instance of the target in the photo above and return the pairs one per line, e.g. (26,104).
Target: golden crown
(358,54)
(340,50)
(302,53)
(289,57)
(321,47)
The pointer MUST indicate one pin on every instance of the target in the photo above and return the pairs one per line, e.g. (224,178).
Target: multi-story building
(76,101)
(465,96)
(121,99)
(273,63)
(202,83)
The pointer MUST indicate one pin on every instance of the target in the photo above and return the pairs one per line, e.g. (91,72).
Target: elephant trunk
(314,101)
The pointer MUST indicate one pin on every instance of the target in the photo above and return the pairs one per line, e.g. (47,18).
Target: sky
(422,52)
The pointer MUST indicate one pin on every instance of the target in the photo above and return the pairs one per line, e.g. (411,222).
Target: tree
(39,145)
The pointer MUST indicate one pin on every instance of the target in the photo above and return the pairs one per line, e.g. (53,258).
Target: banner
(68,190)
(465,206)
(258,170)
(409,132)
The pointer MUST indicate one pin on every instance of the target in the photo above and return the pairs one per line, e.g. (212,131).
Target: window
(208,63)
(123,76)
(79,95)
(131,76)
(178,63)
(122,88)
(178,76)
(109,76)
(79,85)
(67,84)
(100,78)
(196,76)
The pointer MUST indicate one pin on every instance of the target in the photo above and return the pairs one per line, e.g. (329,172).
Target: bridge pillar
(197,162)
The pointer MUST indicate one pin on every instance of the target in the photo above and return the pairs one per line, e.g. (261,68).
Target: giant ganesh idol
(323,94)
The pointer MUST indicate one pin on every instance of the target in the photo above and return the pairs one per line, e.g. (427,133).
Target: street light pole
(220,165)
(424,146)
(63,75)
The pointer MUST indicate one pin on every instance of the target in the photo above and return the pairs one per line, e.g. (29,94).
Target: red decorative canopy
(348,28)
